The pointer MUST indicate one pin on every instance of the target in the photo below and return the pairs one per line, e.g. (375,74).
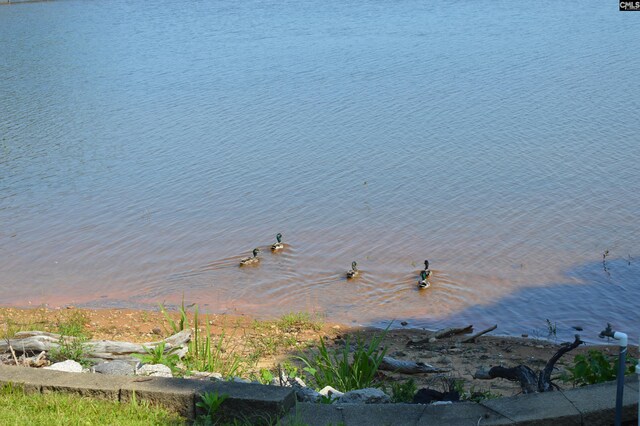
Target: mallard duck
(278,245)
(251,260)
(424,282)
(354,270)
(428,271)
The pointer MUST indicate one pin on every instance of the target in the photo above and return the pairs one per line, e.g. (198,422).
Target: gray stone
(331,392)
(154,370)
(304,394)
(69,366)
(240,380)
(364,396)
(114,368)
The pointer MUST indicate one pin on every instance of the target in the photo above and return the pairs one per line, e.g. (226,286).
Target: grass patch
(298,321)
(20,408)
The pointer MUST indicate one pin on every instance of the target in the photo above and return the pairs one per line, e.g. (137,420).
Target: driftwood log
(408,367)
(33,342)
(473,338)
(441,334)
(529,380)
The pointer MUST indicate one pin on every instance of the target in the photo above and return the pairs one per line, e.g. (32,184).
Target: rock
(331,392)
(157,331)
(304,394)
(70,366)
(114,368)
(364,396)
(240,380)
(154,370)
(404,323)
(432,340)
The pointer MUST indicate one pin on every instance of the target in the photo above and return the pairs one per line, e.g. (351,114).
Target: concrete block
(597,403)
(177,395)
(84,384)
(539,409)
(251,402)
(311,414)
(22,376)
(461,413)
(381,414)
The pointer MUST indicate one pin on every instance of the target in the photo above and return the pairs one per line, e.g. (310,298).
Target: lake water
(145,147)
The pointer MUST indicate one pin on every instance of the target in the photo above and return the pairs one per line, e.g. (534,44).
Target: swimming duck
(428,271)
(354,270)
(423,283)
(251,260)
(278,245)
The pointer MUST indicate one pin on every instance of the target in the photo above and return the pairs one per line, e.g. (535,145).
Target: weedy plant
(210,402)
(156,355)
(552,329)
(343,371)
(473,394)
(176,327)
(595,367)
(403,391)
(73,338)
(207,354)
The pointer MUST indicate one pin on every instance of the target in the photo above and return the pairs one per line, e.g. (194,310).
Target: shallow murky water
(145,148)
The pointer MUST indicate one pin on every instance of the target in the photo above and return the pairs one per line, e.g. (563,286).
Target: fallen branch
(408,367)
(475,336)
(529,380)
(441,334)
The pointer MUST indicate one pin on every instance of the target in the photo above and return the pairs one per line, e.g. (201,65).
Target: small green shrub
(473,394)
(210,402)
(403,392)
(595,367)
(156,355)
(342,371)
(72,348)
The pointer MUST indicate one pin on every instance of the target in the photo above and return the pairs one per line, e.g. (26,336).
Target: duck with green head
(251,260)
(354,272)
(424,282)
(278,245)
(428,271)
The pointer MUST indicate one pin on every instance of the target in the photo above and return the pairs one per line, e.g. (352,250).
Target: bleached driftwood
(408,367)
(441,334)
(475,336)
(31,342)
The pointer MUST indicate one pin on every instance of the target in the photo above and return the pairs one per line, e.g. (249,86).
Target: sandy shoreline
(267,343)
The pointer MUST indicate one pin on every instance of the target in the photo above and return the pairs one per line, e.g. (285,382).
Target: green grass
(297,321)
(20,408)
